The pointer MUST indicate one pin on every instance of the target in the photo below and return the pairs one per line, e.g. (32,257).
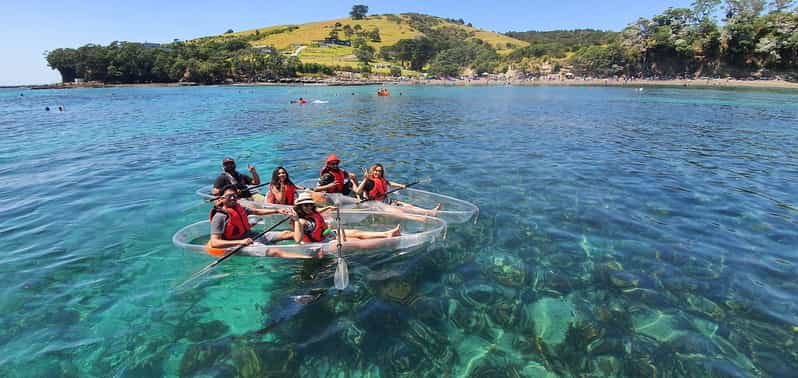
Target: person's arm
(264,211)
(352,178)
(359,189)
(218,184)
(217,230)
(255,177)
(396,184)
(278,195)
(218,242)
(298,225)
(323,187)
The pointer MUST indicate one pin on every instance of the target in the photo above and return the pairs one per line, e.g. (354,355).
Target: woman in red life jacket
(311,227)
(230,227)
(333,179)
(282,190)
(375,186)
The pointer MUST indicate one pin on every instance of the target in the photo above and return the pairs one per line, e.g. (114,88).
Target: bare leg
(432,212)
(358,234)
(276,252)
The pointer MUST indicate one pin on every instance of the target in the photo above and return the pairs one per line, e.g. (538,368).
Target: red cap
(333,157)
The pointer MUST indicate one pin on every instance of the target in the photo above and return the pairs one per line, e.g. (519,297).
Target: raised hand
(250,168)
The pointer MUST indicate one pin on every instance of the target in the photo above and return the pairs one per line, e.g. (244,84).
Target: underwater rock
(656,324)
(506,314)
(429,308)
(605,366)
(200,357)
(551,318)
(246,362)
(536,370)
(467,319)
(623,280)
(206,331)
(402,358)
(272,360)
(396,290)
(508,270)
(432,343)
(704,306)
(479,295)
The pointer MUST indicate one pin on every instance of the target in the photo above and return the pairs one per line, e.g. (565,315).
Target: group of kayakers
(230,226)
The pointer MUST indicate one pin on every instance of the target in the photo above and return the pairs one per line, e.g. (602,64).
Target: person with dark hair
(333,179)
(230,226)
(310,227)
(230,176)
(282,190)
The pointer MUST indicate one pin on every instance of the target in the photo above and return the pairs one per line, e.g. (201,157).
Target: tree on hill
(359,11)
(374,35)
(348,31)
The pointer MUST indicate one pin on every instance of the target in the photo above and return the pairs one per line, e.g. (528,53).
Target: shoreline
(712,83)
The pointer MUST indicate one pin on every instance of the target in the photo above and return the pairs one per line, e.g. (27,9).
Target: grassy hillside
(392,28)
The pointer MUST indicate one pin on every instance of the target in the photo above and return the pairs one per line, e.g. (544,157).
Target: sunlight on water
(621,233)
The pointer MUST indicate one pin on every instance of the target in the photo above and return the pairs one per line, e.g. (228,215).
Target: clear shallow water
(621,233)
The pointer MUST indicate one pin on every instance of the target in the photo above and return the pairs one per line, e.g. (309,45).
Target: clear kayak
(415,231)
(258,199)
(453,210)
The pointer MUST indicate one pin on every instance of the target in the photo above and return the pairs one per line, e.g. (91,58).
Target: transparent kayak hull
(454,211)
(416,231)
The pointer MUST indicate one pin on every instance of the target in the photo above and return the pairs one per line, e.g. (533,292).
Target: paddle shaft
(234,251)
(247,189)
(392,191)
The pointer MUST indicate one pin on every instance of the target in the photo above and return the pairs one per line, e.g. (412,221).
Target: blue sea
(622,232)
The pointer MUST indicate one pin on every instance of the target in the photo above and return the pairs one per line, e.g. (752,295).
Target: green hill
(303,39)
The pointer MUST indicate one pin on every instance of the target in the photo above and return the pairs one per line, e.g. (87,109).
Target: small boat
(454,211)
(416,231)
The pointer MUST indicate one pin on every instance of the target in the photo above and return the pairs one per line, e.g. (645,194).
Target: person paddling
(230,176)
(310,226)
(333,179)
(230,226)
(375,187)
(282,190)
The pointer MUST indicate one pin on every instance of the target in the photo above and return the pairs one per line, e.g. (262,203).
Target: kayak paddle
(227,255)
(341,278)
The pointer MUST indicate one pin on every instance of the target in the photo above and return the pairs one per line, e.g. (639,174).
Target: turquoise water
(620,233)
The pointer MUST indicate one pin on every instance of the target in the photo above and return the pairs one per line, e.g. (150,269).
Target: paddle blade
(424,180)
(341,275)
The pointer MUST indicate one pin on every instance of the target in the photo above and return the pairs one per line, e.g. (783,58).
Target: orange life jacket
(339,177)
(290,191)
(379,189)
(317,234)
(237,222)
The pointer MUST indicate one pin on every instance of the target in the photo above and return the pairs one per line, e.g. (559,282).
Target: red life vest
(237,222)
(290,191)
(379,189)
(339,177)
(317,234)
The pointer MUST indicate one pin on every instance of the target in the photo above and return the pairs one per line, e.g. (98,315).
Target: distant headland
(680,46)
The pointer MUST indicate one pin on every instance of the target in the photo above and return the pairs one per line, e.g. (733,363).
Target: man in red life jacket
(333,179)
(231,228)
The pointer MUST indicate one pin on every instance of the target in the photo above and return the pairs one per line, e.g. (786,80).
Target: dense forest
(737,38)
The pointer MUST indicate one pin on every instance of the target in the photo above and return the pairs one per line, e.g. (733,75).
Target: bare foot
(396,231)
(435,210)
